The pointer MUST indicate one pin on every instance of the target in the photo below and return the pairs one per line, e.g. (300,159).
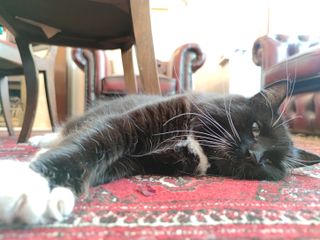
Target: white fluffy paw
(23,193)
(46,140)
(25,196)
(60,204)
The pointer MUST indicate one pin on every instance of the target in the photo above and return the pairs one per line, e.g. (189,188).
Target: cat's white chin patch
(25,196)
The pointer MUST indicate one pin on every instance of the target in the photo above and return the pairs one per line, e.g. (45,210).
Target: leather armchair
(296,58)
(175,75)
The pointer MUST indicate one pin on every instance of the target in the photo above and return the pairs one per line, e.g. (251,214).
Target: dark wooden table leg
(5,104)
(32,88)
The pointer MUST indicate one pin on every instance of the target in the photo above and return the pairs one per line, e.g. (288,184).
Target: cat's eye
(255,129)
(268,161)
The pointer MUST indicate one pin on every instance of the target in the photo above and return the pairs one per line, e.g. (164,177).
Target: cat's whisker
(200,116)
(178,134)
(214,134)
(294,162)
(290,85)
(290,89)
(269,104)
(234,130)
(213,138)
(210,140)
(288,120)
(199,134)
(223,131)
(177,116)
(289,166)
(215,123)
(309,161)
(154,150)
(213,144)
(228,115)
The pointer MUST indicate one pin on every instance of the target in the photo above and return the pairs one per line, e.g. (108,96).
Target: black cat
(189,134)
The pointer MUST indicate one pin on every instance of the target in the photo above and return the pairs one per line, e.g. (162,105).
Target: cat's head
(249,138)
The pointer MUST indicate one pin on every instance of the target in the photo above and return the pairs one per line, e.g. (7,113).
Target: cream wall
(294,17)
(220,27)
(227,29)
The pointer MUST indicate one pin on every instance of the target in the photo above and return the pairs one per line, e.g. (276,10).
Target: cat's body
(190,134)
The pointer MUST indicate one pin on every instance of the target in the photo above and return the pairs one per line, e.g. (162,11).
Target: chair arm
(266,50)
(92,62)
(78,58)
(185,60)
(270,50)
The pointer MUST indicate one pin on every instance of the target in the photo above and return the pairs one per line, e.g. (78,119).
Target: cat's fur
(190,134)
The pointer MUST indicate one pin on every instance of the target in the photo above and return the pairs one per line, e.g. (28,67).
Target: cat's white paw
(45,140)
(25,196)
(23,193)
(60,204)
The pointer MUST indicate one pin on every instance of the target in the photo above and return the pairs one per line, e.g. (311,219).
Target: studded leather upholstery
(296,58)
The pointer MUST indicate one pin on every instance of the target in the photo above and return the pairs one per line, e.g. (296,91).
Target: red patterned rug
(151,207)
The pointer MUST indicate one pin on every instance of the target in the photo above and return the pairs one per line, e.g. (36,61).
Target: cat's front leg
(25,196)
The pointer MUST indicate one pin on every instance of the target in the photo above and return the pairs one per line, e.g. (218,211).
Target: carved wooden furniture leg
(47,68)
(5,104)
(144,46)
(32,82)
(129,76)
(51,96)
(90,96)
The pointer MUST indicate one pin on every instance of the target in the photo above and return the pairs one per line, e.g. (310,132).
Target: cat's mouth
(260,171)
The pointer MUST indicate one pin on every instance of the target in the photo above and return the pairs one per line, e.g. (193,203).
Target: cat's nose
(254,156)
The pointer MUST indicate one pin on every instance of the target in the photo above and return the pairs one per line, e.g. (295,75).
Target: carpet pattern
(154,207)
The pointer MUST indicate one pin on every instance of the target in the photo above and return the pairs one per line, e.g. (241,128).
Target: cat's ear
(303,158)
(273,94)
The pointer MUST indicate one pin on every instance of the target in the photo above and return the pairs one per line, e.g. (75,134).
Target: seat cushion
(297,67)
(91,24)
(116,85)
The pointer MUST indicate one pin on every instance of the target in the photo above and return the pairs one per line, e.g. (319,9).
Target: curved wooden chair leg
(51,97)
(32,88)
(5,104)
